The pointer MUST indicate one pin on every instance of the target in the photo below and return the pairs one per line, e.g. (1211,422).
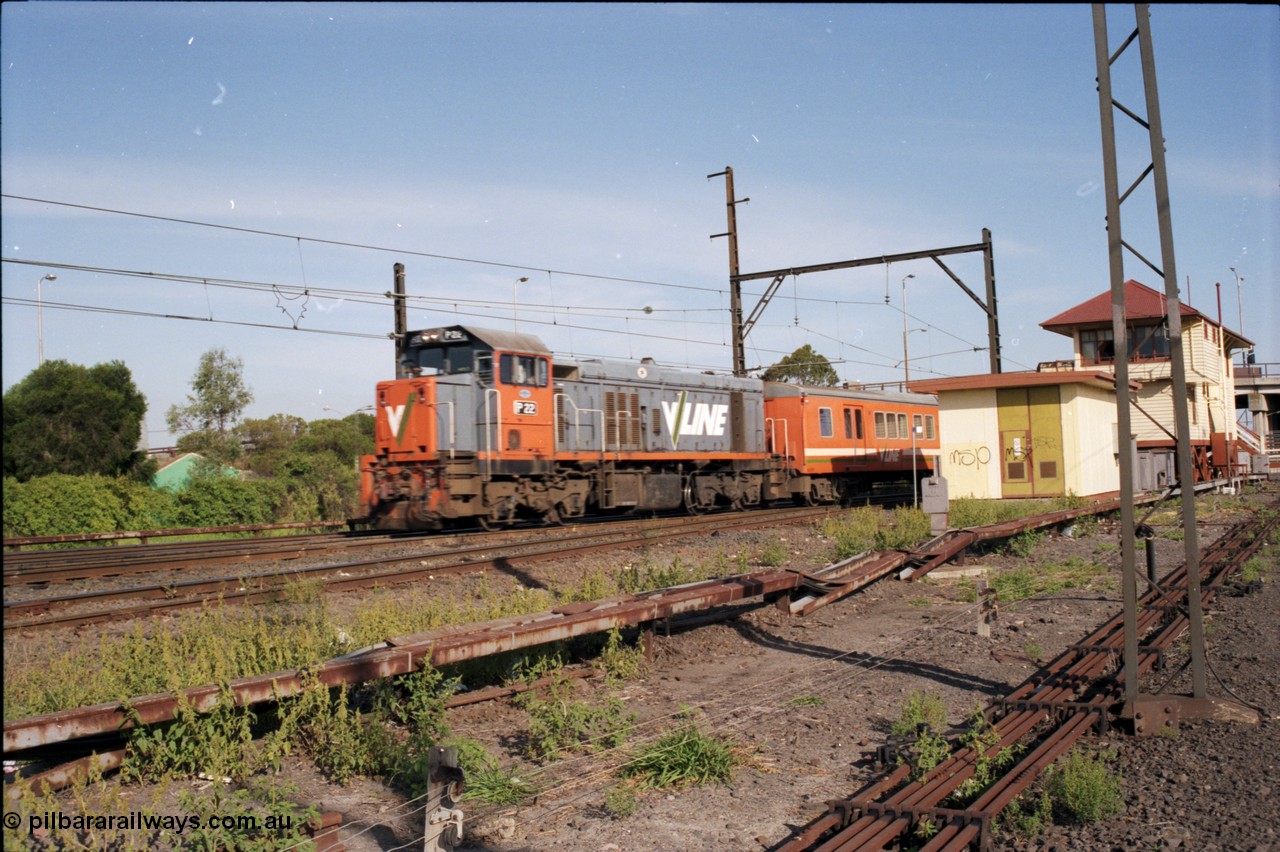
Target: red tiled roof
(1140,302)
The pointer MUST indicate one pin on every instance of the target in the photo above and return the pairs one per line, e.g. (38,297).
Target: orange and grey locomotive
(487,427)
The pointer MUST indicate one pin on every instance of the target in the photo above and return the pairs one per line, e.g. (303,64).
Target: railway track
(1076,693)
(483,551)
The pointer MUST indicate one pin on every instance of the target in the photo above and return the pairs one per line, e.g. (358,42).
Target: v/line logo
(396,418)
(699,418)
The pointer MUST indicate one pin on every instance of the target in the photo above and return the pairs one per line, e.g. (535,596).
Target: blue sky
(570,144)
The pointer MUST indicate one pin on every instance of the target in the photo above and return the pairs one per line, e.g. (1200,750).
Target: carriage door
(855,435)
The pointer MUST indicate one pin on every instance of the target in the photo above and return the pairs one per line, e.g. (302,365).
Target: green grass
(1028,581)
(218,644)
(683,758)
(867,528)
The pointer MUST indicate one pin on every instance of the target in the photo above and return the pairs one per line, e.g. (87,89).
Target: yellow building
(1207,348)
(1032,434)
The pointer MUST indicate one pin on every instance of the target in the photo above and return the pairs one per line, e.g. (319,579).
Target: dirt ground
(807,701)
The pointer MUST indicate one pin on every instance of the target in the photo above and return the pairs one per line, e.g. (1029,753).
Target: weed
(1025,817)
(1255,569)
(1169,732)
(774,554)
(1033,649)
(920,602)
(1084,789)
(982,737)
(558,723)
(921,708)
(908,527)
(261,814)
(497,786)
(215,743)
(1047,578)
(619,661)
(685,757)
(926,828)
(1023,544)
(806,701)
(972,512)
(621,801)
(1085,526)
(854,531)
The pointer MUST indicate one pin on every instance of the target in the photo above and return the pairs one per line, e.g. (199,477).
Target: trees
(67,418)
(220,396)
(804,366)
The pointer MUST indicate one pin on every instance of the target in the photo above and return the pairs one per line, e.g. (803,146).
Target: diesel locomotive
(488,427)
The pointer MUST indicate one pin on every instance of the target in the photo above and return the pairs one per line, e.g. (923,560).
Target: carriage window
(848,423)
(523,370)
(857,422)
(903,431)
(882,425)
(928,427)
(825,423)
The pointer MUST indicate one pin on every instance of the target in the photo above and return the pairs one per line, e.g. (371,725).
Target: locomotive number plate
(522,407)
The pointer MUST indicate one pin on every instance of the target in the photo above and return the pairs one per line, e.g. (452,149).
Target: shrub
(921,708)
(1084,789)
(558,723)
(60,504)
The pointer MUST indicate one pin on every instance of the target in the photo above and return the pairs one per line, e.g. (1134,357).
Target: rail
(449,645)
(19,542)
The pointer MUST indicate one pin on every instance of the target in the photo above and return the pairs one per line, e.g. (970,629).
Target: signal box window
(527,370)
(825,423)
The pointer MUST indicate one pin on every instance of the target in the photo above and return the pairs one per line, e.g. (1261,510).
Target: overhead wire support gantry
(741,327)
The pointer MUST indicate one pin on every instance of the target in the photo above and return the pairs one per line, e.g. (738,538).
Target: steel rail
(271,586)
(1073,691)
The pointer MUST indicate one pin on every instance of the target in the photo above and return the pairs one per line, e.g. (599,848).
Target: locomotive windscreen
(441,359)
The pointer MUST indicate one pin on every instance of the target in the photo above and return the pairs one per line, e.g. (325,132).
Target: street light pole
(906,368)
(40,317)
(515,302)
(915,483)
(1239,299)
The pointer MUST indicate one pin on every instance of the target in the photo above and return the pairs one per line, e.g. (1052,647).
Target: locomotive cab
(469,413)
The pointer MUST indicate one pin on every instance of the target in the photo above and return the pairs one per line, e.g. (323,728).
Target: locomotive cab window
(440,360)
(825,423)
(526,370)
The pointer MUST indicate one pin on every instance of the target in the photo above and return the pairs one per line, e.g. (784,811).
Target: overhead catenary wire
(368,297)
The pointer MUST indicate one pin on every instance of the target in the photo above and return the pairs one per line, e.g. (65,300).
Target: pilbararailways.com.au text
(135,821)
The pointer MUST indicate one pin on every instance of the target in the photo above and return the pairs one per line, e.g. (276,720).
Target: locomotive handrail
(490,428)
(617,427)
(786,436)
(576,411)
(453,428)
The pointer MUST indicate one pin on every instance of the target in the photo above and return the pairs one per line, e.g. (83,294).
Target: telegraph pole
(735,286)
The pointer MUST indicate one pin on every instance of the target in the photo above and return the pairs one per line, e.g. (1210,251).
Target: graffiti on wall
(975,457)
